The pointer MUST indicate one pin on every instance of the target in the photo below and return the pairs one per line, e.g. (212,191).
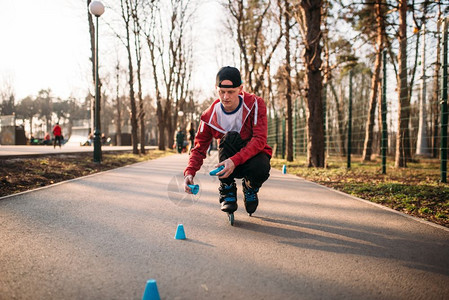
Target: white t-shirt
(230,121)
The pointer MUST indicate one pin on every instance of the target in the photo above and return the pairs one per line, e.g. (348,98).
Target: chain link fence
(427,109)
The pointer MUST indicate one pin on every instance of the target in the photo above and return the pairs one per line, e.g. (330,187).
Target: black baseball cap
(229,73)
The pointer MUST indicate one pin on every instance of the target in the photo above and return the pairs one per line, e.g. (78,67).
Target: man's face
(229,97)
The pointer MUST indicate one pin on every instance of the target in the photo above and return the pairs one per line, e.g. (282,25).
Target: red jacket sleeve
(259,135)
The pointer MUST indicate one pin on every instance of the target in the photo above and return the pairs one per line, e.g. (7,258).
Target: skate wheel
(250,214)
(231,219)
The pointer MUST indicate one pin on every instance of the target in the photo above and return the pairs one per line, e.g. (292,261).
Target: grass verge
(415,190)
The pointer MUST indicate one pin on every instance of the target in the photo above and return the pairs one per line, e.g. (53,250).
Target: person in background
(47,139)
(57,133)
(180,140)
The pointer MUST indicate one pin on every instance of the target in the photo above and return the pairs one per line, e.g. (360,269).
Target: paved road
(103,236)
(15,151)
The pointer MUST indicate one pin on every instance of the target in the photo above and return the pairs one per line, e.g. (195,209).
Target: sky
(45,44)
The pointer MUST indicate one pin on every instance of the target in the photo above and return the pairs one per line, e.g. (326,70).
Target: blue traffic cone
(195,188)
(151,292)
(180,234)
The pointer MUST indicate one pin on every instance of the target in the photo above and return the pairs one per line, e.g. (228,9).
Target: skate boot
(228,197)
(251,200)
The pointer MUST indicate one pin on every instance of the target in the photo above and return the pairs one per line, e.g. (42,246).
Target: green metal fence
(345,122)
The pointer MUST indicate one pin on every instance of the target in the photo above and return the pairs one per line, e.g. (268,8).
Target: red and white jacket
(254,130)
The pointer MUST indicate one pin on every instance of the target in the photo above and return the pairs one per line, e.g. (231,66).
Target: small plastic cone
(195,188)
(180,234)
(151,292)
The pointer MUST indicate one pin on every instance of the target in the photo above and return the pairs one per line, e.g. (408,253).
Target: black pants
(57,140)
(255,169)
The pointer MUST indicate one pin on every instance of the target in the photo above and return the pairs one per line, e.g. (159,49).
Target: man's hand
(228,168)
(188,179)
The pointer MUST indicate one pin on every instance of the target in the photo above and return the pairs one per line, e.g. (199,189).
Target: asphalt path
(103,236)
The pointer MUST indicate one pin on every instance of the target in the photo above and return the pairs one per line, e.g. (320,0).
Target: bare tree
(175,76)
(137,30)
(171,63)
(250,19)
(126,13)
(151,39)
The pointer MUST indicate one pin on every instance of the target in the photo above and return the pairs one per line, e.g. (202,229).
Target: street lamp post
(96,8)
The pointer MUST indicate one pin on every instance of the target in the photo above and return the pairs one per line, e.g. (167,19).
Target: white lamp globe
(96,8)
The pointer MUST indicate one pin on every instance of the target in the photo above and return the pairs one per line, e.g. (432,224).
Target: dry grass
(22,174)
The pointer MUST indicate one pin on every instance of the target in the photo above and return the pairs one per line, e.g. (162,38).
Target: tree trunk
(92,115)
(375,83)
(133,104)
(161,125)
(126,14)
(141,119)
(169,125)
(369,130)
(288,83)
(436,91)
(31,126)
(402,138)
(141,108)
(118,125)
(138,50)
(422,147)
(310,17)
(340,119)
